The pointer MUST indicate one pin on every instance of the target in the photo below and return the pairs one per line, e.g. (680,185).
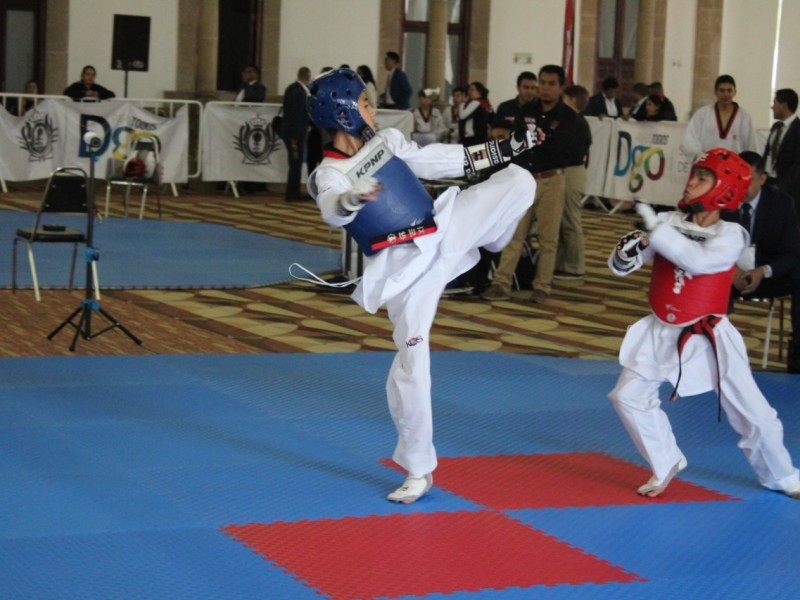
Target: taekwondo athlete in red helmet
(688,339)
(368,183)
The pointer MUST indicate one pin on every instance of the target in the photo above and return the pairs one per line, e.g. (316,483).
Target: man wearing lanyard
(782,153)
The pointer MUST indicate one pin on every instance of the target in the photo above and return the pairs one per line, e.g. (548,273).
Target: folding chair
(770,302)
(141,168)
(66,193)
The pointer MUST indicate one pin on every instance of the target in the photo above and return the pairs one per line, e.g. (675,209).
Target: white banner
(239,144)
(598,155)
(50,136)
(646,162)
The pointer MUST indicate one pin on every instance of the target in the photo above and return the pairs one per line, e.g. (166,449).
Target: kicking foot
(655,486)
(413,489)
(793,492)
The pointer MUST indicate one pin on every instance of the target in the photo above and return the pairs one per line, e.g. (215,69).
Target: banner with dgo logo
(51,136)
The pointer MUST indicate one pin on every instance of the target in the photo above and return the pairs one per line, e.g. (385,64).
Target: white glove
(648,215)
(351,201)
(628,248)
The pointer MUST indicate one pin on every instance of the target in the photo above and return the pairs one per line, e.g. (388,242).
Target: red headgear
(732,178)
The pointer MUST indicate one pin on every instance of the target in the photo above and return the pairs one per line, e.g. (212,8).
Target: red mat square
(556,481)
(422,553)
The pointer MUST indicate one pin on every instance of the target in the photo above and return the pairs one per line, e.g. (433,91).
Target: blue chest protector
(403,210)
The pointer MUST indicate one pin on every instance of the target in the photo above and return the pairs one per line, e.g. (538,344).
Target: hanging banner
(567,58)
(646,161)
(51,136)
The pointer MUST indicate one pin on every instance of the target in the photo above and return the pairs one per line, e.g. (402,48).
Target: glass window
(454,11)
(630,24)
(418,10)
(606,28)
(414,52)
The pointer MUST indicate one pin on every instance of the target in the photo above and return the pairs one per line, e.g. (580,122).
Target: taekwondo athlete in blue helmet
(368,183)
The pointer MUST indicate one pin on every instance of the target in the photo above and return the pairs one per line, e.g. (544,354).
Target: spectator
(251,90)
(23,105)
(428,124)
(667,109)
(605,102)
(570,257)
(475,115)
(782,153)
(654,109)
(450,117)
(369,80)
(295,130)
(640,93)
(549,113)
(723,124)
(397,93)
(87,89)
(527,89)
(773,270)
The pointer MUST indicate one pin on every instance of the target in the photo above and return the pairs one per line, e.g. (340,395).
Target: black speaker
(130,50)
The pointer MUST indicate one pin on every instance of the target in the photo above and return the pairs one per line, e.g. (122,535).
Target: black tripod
(83,326)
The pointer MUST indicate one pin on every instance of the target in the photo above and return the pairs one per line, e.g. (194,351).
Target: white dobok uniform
(649,352)
(409,278)
(705,131)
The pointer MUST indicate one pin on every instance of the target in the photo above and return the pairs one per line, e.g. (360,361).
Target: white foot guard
(413,489)
(655,486)
(793,492)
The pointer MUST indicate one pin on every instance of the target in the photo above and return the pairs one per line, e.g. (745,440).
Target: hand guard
(350,201)
(523,139)
(628,248)
(648,215)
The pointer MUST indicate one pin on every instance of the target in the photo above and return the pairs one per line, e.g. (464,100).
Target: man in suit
(605,103)
(782,153)
(294,130)
(774,269)
(252,90)
(398,89)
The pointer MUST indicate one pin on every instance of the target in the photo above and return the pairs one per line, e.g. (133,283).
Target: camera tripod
(83,326)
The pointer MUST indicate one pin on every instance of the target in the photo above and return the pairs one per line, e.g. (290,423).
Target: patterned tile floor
(586,320)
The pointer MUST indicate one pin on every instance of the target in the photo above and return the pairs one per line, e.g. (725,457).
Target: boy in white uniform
(688,340)
(368,184)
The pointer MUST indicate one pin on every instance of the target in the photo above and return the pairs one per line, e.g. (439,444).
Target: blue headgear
(333,102)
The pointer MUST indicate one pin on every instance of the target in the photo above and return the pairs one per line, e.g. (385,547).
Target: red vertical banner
(569,40)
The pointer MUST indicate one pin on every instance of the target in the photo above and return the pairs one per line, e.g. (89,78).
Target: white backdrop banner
(598,155)
(51,136)
(646,161)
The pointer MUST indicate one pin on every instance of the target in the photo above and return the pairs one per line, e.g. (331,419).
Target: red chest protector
(678,298)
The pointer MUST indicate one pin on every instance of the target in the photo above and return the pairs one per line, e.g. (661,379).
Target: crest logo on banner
(37,137)
(256,141)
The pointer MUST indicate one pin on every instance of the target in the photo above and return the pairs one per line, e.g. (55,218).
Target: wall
(523,26)
(91,31)
(679,55)
(317,33)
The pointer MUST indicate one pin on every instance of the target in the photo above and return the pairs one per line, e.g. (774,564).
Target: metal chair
(770,302)
(66,193)
(141,168)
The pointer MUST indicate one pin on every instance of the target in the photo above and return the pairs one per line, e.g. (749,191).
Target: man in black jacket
(294,130)
(782,152)
(605,102)
(774,270)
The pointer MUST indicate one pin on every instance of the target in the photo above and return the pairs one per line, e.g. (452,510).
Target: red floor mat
(418,554)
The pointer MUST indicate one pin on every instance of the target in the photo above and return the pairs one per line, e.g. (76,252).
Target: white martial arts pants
(484,215)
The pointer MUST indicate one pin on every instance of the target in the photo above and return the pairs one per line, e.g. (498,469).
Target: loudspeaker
(130,50)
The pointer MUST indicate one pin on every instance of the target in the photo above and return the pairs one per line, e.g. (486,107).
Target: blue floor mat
(119,473)
(155,254)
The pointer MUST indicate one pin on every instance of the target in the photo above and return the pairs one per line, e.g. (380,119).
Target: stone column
(188,21)
(56,54)
(650,41)
(587,45)
(437,46)
(207,42)
(270,49)
(708,40)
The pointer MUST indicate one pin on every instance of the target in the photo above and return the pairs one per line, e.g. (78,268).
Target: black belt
(704,327)
(402,236)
